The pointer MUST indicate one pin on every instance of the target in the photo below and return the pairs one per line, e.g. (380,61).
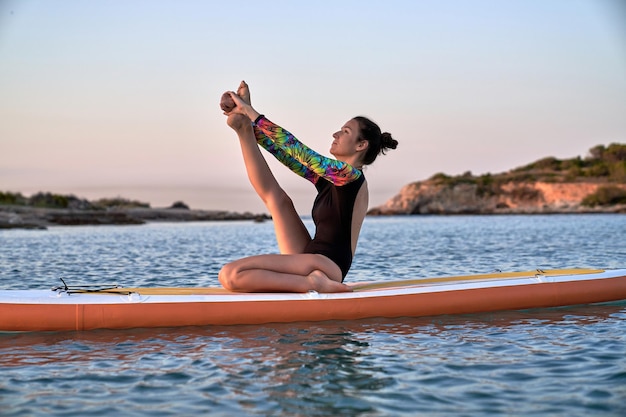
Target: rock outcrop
(433,197)
(596,184)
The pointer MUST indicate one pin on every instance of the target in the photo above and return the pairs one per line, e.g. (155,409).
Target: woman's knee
(278,201)
(325,265)
(227,276)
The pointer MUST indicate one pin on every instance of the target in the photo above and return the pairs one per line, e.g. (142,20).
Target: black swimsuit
(332,215)
(337,183)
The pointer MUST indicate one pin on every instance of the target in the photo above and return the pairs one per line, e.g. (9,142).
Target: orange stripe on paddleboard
(41,317)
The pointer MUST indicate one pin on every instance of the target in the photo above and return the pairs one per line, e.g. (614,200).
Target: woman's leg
(293,271)
(283,273)
(291,234)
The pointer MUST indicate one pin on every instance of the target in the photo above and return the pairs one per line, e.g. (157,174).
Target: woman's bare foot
(227,104)
(322,284)
(244,92)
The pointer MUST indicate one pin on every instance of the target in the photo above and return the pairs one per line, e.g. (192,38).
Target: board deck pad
(358,286)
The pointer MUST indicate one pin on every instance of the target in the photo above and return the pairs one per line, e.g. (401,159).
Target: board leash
(87,288)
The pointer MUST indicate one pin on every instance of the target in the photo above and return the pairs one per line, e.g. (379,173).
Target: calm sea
(549,362)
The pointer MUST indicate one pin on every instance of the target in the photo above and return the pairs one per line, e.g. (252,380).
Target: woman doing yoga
(304,263)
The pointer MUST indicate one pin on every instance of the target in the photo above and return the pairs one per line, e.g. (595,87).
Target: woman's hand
(231,103)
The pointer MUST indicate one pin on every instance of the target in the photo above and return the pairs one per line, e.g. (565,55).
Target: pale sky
(120,98)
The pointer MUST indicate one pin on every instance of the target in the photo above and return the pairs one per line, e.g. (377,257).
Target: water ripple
(566,361)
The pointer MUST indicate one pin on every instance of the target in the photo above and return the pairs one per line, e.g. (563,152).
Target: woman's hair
(378,142)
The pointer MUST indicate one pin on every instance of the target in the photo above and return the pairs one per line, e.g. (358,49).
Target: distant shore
(25,217)
(594,184)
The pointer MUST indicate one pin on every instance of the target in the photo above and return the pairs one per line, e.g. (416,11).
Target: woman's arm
(283,157)
(299,157)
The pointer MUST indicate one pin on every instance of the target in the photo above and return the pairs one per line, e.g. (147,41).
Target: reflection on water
(477,362)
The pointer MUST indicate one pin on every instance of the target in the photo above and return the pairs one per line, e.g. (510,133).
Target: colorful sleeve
(284,158)
(300,158)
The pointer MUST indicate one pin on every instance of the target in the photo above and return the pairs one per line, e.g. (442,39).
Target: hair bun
(387,142)
(378,142)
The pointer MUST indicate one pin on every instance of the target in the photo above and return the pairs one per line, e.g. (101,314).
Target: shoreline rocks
(25,217)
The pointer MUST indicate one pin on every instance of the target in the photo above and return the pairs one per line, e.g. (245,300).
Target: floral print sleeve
(300,158)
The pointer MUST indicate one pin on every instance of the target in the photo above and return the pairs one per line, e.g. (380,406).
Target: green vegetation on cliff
(603,164)
(605,196)
(59,201)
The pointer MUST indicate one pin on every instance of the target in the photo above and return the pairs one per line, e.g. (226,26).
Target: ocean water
(549,362)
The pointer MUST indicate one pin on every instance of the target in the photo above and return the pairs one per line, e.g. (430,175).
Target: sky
(121,98)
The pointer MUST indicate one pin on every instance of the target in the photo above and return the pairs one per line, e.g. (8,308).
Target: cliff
(428,197)
(591,185)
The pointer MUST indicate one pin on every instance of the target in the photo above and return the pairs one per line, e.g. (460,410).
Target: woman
(305,264)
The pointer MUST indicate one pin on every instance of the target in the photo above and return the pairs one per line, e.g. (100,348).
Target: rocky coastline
(25,217)
(594,184)
(430,197)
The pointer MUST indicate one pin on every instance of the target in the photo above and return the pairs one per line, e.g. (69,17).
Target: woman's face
(346,140)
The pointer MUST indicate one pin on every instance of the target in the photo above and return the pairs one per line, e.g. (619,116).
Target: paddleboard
(112,307)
